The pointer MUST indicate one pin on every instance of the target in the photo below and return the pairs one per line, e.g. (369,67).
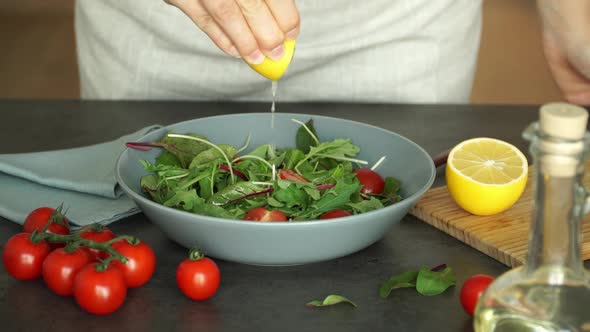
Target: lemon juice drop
(274,86)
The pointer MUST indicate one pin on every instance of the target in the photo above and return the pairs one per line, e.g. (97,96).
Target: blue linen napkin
(83,179)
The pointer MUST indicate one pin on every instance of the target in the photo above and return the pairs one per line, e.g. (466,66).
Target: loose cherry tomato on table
(38,218)
(22,258)
(472,290)
(141,262)
(60,268)
(289,175)
(198,276)
(338,213)
(100,236)
(100,291)
(262,214)
(372,182)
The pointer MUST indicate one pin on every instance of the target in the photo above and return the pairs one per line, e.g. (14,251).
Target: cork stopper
(567,122)
(562,120)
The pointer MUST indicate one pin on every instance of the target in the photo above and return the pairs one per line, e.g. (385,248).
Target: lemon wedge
(486,176)
(273,70)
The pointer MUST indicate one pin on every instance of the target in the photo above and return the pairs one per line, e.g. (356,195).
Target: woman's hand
(566,41)
(251,29)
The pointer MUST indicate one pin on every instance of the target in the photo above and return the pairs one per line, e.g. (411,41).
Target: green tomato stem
(195,254)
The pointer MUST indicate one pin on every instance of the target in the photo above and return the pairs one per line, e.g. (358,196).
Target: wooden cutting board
(503,236)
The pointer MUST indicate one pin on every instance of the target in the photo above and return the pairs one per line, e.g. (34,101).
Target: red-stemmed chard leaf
(236,172)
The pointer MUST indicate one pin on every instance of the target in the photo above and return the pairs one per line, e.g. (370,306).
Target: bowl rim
(352,218)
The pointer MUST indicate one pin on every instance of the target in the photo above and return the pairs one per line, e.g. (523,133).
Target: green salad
(310,181)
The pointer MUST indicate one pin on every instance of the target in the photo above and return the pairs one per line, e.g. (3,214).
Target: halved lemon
(273,70)
(486,176)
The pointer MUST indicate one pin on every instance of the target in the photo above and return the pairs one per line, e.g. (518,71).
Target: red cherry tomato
(472,290)
(38,218)
(141,262)
(22,258)
(335,214)
(198,277)
(262,214)
(372,182)
(101,236)
(61,267)
(289,175)
(99,292)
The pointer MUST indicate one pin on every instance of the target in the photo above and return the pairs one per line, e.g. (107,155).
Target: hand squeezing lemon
(486,176)
(273,70)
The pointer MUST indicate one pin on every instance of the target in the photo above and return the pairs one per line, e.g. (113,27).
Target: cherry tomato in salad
(198,276)
(372,182)
(338,213)
(141,262)
(38,218)
(262,214)
(22,258)
(289,175)
(60,268)
(472,290)
(101,236)
(100,292)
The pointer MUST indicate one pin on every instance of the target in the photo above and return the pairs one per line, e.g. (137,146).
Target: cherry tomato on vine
(22,258)
(100,292)
(38,218)
(472,290)
(372,182)
(262,214)
(335,214)
(101,236)
(141,262)
(198,276)
(289,175)
(60,268)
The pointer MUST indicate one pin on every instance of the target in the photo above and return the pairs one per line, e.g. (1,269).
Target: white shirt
(361,51)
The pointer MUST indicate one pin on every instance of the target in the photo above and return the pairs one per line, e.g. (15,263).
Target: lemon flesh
(486,176)
(273,70)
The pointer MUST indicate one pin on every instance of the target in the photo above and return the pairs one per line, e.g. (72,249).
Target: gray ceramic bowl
(284,243)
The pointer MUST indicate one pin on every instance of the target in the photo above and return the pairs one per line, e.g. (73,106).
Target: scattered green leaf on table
(404,280)
(432,283)
(330,300)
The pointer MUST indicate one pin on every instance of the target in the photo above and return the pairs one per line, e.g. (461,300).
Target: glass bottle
(551,291)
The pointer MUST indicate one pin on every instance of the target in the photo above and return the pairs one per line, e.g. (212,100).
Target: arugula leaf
(434,282)
(184,149)
(340,149)
(392,189)
(303,140)
(149,184)
(366,205)
(235,192)
(186,200)
(260,151)
(334,198)
(168,158)
(212,211)
(404,280)
(291,195)
(212,154)
(330,300)
(292,157)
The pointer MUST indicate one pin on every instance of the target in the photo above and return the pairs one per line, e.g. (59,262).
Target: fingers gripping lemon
(273,70)
(486,176)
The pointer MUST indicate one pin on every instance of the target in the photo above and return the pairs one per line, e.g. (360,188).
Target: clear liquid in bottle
(551,291)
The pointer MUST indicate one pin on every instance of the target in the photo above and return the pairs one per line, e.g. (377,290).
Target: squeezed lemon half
(486,176)
(273,70)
